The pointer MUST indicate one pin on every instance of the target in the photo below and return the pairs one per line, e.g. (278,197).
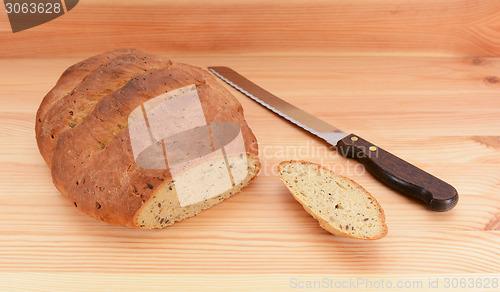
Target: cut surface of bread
(108,130)
(165,208)
(341,206)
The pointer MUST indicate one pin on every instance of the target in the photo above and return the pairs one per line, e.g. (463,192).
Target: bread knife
(386,167)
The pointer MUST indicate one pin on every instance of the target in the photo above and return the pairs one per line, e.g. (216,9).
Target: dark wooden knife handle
(399,174)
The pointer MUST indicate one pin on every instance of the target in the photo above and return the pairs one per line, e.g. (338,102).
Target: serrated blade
(291,113)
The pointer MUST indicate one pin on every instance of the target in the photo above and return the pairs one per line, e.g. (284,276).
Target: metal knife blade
(388,168)
(291,113)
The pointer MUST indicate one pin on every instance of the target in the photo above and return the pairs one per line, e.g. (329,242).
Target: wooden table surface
(427,98)
(442,114)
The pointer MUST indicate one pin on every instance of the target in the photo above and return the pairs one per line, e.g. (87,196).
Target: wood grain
(439,113)
(369,27)
(419,78)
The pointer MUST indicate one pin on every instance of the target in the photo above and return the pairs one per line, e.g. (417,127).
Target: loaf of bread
(139,140)
(341,206)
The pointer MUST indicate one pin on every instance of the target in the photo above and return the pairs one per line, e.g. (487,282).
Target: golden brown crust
(84,137)
(71,109)
(66,83)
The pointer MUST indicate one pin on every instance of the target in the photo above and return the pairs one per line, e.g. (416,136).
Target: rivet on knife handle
(399,174)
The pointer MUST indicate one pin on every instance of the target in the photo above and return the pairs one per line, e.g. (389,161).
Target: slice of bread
(342,206)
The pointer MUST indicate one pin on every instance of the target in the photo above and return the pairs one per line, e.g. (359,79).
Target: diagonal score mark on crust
(96,85)
(71,77)
(197,78)
(104,131)
(75,74)
(121,122)
(202,79)
(71,110)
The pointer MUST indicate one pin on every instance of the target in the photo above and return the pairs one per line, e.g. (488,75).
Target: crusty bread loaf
(82,131)
(341,206)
